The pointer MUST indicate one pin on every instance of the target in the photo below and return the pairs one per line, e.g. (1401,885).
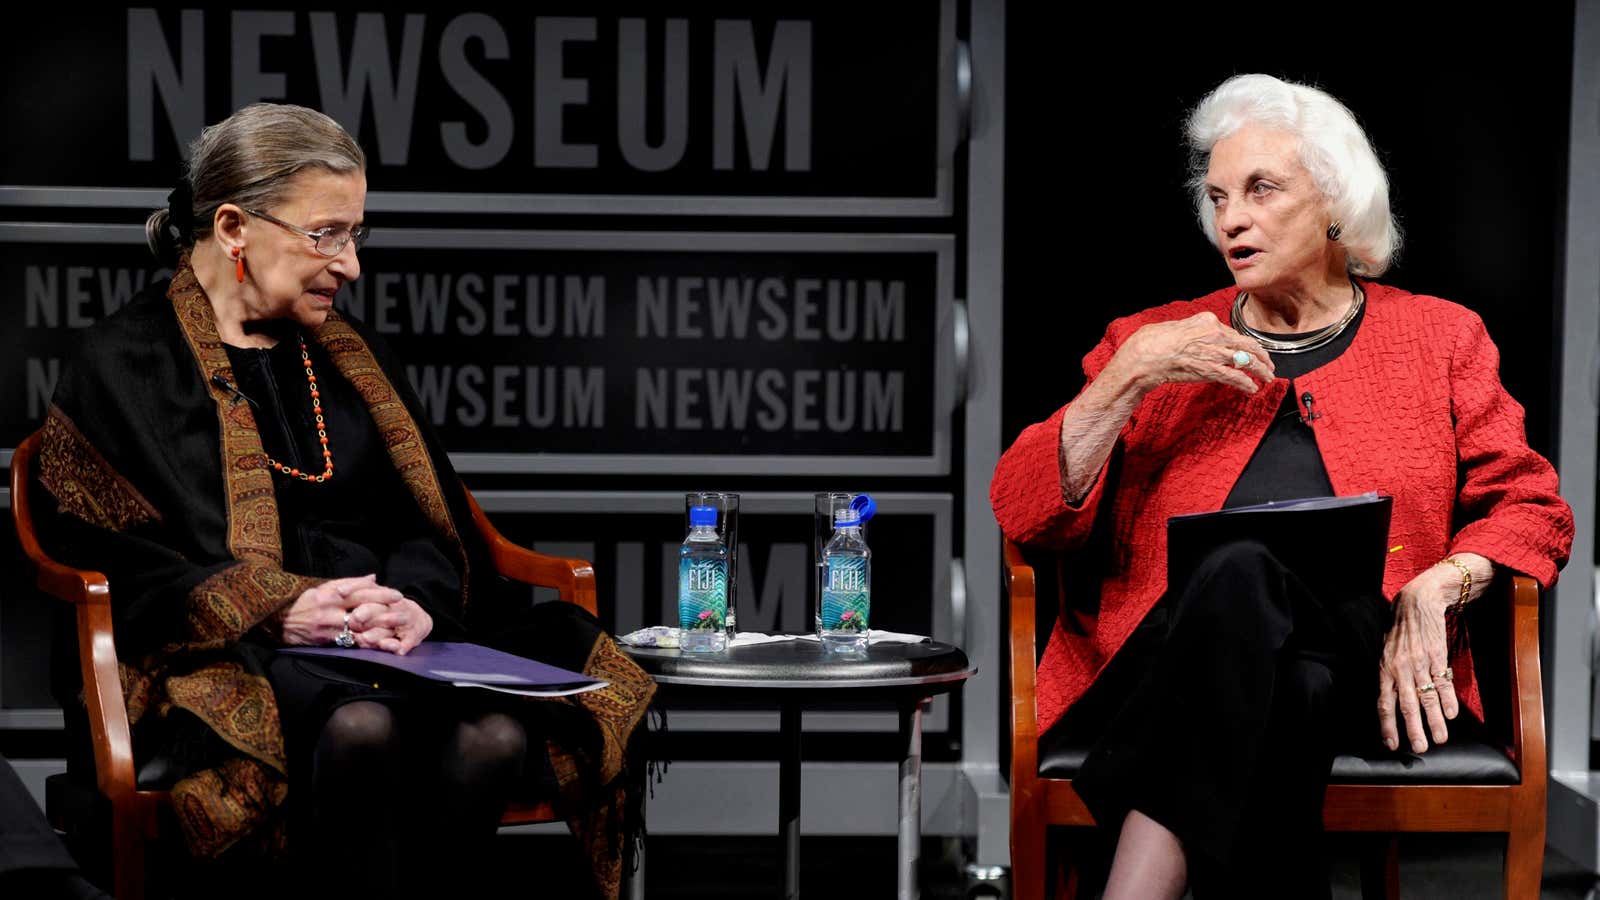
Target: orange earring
(238,265)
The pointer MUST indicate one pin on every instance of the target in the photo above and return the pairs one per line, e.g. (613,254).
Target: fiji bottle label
(846,594)
(702,593)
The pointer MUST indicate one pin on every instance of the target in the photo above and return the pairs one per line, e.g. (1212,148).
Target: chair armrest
(90,594)
(102,697)
(1527,692)
(55,579)
(1024,706)
(573,578)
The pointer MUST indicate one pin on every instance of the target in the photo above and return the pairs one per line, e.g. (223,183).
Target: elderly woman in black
(252,471)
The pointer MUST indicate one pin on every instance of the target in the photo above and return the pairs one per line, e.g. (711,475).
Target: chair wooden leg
(1027,863)
(1380,868)
(127,857)
(1524,862)
(1068,878)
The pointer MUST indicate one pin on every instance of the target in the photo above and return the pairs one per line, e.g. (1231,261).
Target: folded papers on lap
(1339,541)
(468,665)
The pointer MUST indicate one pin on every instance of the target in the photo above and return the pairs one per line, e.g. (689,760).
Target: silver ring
(1427,687)
(345,638)
(1241,359)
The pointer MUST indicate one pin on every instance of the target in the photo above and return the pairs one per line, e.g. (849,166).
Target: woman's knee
(1241,559)
(1236,578)
(363,727)
(495,740)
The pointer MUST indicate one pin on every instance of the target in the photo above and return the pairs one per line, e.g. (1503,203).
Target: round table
(798,674)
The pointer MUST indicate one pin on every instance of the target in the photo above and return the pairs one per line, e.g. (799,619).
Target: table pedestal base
(910,800)
(789,798)
(909,855)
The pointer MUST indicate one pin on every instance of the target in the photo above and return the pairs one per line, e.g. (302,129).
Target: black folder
(1331,543)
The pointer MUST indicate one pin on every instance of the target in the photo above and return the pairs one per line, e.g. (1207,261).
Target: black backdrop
(1469,114)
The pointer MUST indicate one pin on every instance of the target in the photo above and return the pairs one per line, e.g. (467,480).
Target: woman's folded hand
(318,615)
(397,627)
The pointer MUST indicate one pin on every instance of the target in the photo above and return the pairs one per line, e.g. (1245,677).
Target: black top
(1287,464)
(363,519)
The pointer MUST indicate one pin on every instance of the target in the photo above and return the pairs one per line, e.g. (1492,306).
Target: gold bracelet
(1466,584)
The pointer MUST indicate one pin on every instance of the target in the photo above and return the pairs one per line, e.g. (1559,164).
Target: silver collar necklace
(1302,344)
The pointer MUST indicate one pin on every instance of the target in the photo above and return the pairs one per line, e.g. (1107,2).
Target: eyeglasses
(330,241)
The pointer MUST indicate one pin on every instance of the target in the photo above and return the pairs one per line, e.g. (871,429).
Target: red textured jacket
(1413,409)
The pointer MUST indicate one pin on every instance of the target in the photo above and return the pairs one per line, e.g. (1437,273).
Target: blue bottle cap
(702,515)
(864,506)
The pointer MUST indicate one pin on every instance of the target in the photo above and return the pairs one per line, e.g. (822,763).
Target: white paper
(875,636)
(665,637)
(534,692)
(662,637)
(749,638)
(475,677)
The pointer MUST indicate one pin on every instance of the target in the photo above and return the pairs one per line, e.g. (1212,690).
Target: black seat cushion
(1060,759)
(1462,761)
(69,795)
(159,773)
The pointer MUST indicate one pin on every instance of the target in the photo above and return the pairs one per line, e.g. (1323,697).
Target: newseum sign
(713,108)
(602,352)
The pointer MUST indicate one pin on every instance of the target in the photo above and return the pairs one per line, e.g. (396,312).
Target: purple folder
(469,665)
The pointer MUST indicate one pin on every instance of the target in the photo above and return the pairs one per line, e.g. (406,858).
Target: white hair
(1333,148)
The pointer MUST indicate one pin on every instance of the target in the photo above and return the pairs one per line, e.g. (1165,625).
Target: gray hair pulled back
(249,159)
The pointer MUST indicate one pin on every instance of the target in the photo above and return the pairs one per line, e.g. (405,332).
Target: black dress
(1221,715)
(361,521)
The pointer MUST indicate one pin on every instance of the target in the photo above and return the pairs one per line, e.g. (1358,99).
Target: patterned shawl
(160,481)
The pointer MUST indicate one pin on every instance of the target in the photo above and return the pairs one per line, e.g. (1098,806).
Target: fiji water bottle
(846,585)
(702,584)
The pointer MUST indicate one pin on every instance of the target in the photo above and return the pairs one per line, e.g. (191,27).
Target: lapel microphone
(1310,416)
(238,395)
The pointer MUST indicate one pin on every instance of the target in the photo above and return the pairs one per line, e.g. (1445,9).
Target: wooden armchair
(1464,785)
(133,803)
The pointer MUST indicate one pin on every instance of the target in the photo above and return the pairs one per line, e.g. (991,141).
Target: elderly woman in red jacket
(1304,378)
